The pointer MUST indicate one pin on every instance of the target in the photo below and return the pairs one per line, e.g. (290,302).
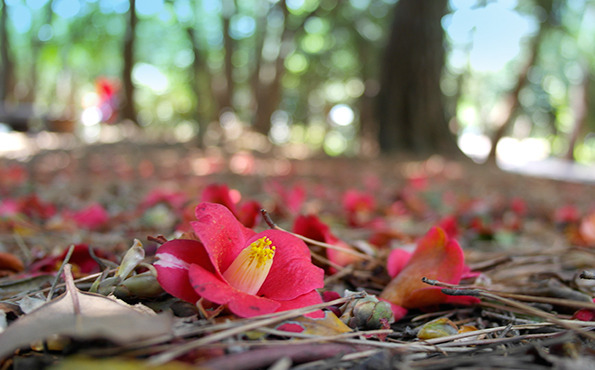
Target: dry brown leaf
(83,315)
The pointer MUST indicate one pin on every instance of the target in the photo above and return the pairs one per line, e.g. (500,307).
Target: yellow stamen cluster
(251,267)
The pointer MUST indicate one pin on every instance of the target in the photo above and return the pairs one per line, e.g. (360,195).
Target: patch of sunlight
(341,115)
(475,146)
(514,151)
(14,145)
(150,76)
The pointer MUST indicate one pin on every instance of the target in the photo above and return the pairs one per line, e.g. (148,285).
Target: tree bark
(7,67)
(128,109)
(226,99)
(411,109)
(268,93)
(580,106)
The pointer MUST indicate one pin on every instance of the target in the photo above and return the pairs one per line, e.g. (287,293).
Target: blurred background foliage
(303,75)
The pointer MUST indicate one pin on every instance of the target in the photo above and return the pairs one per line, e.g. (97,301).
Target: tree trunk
(206,105)
(268,92)
(513,98)
(128,110)
(411,109)
(7,67)
(580,106)
(226,99)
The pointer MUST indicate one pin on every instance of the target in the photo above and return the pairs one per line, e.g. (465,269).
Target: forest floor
(529,242)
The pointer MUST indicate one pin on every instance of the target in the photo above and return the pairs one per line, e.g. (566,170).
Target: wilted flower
(436,257)
(311,227)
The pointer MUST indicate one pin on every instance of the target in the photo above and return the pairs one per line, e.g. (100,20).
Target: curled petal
(436,257)
(173,261)
(303,300)
(397,260)
(213,289)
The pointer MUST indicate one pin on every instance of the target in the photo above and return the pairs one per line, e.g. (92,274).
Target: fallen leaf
(83,315)
(9,264)
(114,363)
(328,324)
(442,327)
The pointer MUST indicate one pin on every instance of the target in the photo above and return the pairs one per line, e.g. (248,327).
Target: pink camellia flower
(311,227)
(81,260)
(221,194)
(359,207)
(436,257)
(247,212)
(587,229)
(92,217)
(251,273)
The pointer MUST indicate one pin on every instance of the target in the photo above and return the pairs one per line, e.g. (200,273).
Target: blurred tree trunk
(513,102)
(411,109)
(267,87)
(206,106)
(227,86)
(128,111)
(509,116)
(6,81)
(579,96)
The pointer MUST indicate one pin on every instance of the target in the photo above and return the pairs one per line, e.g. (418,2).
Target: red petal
(92,217)
(174,260)
(10,263)
(223,236)
(308,299)
(219,193)
(292,273)
(398,311)
(435,257)
(397,260)
(213,289)
(249,213)
(311,227)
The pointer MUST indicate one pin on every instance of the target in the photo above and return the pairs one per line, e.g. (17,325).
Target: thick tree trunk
(411,110)
(128,110)
(268,92)
(7,67)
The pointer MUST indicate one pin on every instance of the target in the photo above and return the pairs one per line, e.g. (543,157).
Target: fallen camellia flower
(311,227)
(81,260)
(436,257)
(359,207)
(247,212)
(251,273)
(92,217)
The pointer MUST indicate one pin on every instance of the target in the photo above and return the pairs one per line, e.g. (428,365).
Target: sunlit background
(67,57)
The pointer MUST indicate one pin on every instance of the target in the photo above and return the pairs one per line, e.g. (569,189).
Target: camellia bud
(367,313)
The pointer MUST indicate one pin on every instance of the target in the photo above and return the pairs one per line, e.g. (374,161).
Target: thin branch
(273,225)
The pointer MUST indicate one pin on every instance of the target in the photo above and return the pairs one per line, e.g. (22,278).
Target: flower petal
(220,194)
(221,233)
(174,259)
(435,257)
(311,227)
(213,289)
(397,260)
(398,311)
(303,300)
(292,273)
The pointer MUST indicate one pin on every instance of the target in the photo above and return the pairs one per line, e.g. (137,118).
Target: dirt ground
(524,245)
